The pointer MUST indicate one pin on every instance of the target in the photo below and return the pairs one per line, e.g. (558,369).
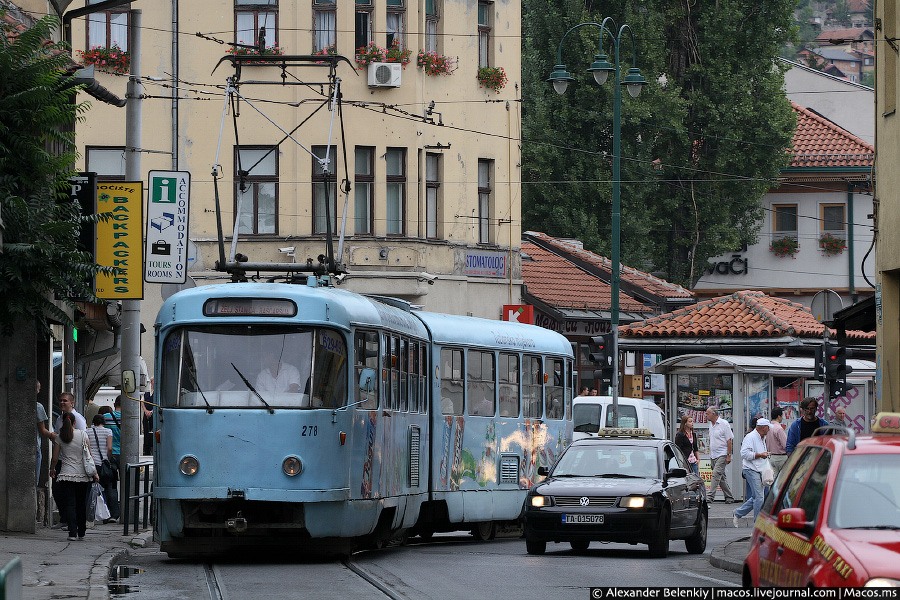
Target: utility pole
(131,309)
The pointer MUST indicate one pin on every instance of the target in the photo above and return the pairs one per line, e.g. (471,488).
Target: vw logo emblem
(584,501)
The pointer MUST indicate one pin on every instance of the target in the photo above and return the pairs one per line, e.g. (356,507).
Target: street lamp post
(601,68)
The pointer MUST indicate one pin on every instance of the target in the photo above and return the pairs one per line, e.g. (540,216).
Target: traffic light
(836,361)
(601,349)
(819,366)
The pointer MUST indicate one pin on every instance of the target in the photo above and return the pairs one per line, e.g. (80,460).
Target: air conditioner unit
(384,74)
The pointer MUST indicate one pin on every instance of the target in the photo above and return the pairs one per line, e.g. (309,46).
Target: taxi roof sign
(631,432)
(886,422)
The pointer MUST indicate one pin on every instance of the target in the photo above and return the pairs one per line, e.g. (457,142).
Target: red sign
(518,313)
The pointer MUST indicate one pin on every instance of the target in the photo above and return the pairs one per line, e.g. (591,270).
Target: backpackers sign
(119,240)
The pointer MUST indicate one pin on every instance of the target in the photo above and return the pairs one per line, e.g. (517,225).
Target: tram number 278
(309,430)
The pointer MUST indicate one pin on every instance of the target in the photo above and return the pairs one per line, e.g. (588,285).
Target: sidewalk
(730,556)
(53,567)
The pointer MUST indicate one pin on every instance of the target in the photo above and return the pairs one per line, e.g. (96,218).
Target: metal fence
(137,495)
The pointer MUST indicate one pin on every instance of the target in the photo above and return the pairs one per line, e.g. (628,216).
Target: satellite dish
(167,289)
(824,304)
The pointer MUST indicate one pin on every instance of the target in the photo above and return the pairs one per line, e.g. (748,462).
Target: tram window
(480,383)
(423,377)
(570,389)
(509,385)
(404,375)
(366,351)
(171,360)
(329,385)
(395,373)
(532,387)
(451,382)
(414,377)
(385,371)
(556,390)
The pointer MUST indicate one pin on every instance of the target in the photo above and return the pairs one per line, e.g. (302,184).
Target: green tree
(700,147)
(840,13)
(40,264)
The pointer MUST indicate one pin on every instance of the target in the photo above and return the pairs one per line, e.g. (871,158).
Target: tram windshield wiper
(193,377)
(252,389)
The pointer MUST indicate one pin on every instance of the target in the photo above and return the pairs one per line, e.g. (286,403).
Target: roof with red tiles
(646,281)
(820,143)
(856,34)
(559,283)
(746,314)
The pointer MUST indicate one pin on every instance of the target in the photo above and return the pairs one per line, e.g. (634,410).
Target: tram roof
(344,308)
(487,333)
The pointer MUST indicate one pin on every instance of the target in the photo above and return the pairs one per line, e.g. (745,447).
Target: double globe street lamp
(601,69)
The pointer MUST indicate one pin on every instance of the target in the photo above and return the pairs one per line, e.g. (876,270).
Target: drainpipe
(850,261)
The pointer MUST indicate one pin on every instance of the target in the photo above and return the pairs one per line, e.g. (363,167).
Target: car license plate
(583,519)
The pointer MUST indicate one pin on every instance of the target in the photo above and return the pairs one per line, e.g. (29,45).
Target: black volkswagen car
(623,487)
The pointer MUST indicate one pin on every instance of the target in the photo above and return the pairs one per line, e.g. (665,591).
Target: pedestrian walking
(776,440)
(100,440)
(76,472)
(753,460)
(803,427)
(721,440)
(686,441)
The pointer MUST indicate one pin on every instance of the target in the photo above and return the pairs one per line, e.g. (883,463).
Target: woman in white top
(75,476)
(100,440)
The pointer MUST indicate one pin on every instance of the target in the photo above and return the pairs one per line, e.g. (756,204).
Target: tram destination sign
(166,240)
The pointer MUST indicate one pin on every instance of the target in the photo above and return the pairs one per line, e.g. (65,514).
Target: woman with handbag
(101,441)
(77,471)
(686,440)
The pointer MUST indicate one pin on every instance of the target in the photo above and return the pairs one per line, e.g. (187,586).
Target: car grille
(592,500)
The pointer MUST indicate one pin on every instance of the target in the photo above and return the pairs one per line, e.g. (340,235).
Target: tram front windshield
(253,366)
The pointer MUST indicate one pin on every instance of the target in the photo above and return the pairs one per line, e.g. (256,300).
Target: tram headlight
(189,465)
(292,466)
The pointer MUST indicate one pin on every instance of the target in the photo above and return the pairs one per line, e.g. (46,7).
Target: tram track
(214,583)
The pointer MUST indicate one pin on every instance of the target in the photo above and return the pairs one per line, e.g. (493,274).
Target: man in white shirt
(753,460)
(277,376)
(720,447)
(67,405)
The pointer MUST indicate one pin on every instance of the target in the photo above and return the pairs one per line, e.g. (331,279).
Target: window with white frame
(485,194)
(256,189)
(363,29)
(784,220)
(254,19)
(432,21)
(394,22)
(364,182)
(432,194)
(107,28)
(324,188)
(324,25)
(396,190)
(834,219)
(484,33)
(107,162)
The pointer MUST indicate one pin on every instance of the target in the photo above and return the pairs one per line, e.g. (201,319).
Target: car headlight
(189,465)
(539,501)
(882,582)
(636,502)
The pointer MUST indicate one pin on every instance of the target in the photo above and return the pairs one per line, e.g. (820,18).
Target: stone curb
(98,582)
(719,557)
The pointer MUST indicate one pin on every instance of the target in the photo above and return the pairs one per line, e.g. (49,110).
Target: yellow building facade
(887,206)
(432,160)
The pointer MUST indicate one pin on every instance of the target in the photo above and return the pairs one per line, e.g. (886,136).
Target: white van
(588,412)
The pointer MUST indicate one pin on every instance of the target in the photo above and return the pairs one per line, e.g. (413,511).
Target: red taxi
(832,517)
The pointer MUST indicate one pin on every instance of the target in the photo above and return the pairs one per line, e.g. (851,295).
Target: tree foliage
(700,146)
(40,261)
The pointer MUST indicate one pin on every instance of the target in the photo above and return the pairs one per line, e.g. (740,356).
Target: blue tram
(315,417)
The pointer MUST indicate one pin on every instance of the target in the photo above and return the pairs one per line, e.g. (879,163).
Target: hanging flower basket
(110,60)
(268,51)
(373,53)
(435,64)
(493,78)
(785,246)
(832,245)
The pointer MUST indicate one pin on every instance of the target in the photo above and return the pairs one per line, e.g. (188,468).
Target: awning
(772,365)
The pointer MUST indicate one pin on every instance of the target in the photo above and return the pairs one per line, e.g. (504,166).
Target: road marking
(720,582)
